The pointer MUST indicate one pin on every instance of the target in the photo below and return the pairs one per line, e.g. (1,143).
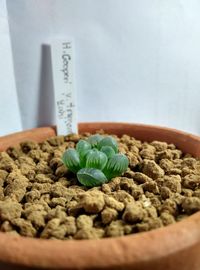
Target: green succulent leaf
(91,177)
(108,150)
(83,158)
(82,147)
(94,140)
(96,159)
(71,160)
(108,141)
(116,165)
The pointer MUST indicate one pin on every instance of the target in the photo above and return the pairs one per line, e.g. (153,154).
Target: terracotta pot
(174,247)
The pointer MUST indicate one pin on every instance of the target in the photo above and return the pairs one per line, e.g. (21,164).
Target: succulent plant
(95,160)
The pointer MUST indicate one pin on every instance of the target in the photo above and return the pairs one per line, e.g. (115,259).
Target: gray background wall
(136,61)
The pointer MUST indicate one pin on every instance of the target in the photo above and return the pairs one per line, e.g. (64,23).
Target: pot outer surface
(174,247)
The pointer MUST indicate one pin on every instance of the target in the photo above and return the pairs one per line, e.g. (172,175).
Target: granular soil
(41,198)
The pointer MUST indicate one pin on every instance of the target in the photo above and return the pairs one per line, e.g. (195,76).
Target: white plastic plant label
(64,90)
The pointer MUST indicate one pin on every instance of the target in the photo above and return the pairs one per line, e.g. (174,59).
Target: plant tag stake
(64,92)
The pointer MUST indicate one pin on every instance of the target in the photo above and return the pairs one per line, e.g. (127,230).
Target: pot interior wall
(186,142)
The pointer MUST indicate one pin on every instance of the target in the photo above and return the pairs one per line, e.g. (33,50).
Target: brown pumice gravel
(40,198)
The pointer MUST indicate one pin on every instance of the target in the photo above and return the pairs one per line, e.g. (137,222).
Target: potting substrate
(41,198)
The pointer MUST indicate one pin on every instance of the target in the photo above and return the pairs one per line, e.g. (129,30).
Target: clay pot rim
(171,135)
(60,254)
